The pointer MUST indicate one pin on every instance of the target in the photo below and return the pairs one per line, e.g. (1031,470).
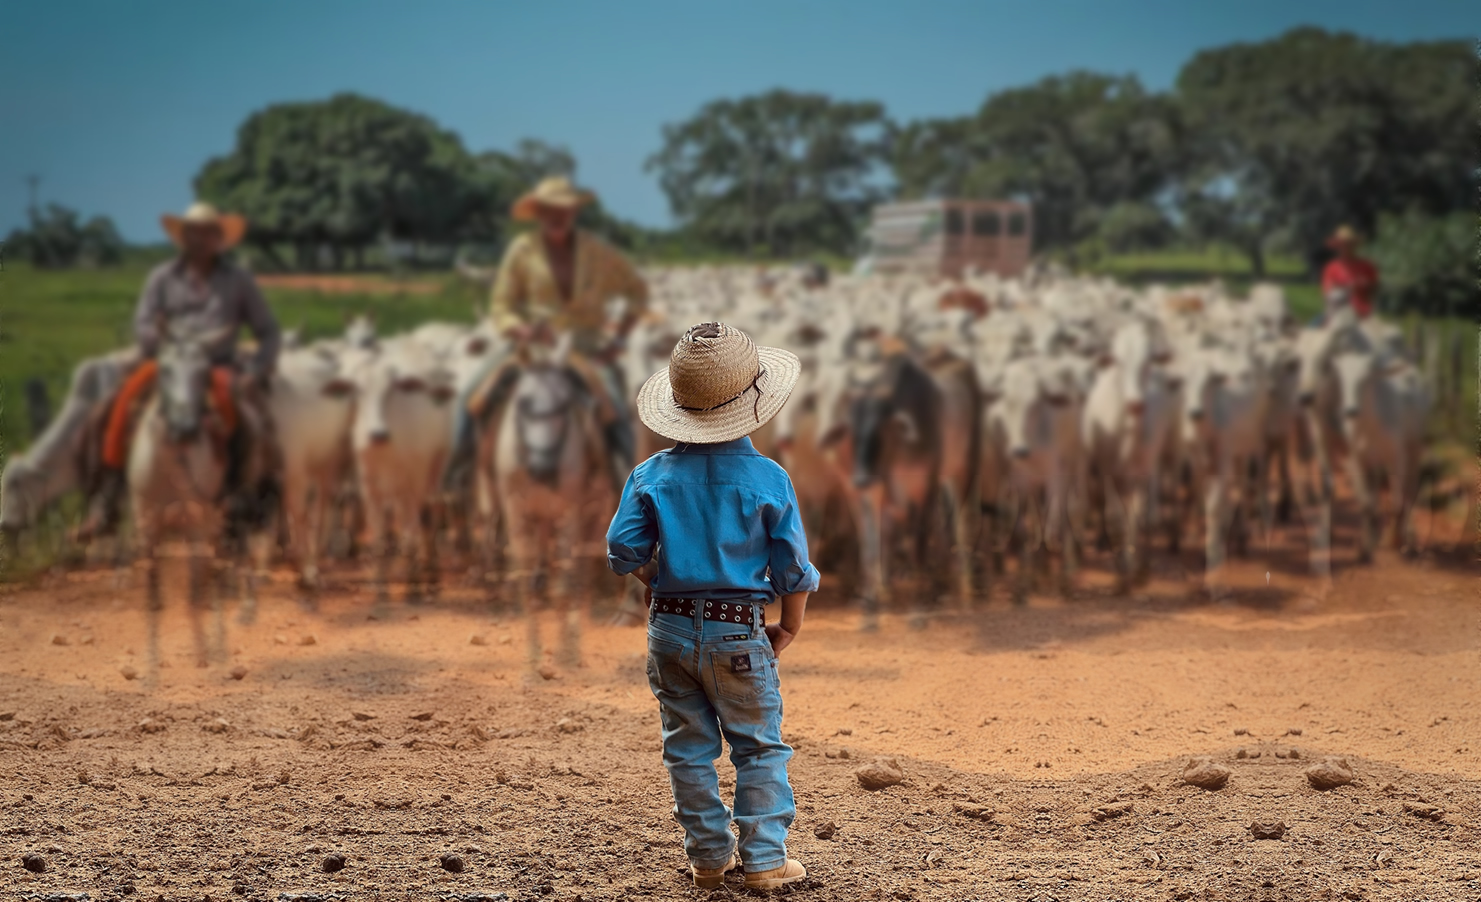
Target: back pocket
(739,674)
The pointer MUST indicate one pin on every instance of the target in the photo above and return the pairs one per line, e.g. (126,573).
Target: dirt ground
(1043,749)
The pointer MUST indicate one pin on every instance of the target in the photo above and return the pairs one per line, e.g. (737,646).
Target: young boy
(719,522)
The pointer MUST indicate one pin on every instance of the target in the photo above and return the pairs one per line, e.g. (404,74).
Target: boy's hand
(779,637)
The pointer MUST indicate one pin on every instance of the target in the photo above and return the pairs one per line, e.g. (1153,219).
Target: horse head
(544,402)
(184,374)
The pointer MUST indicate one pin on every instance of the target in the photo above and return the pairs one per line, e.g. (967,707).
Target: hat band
(756,409)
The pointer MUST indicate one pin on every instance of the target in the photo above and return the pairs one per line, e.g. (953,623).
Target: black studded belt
(723,611)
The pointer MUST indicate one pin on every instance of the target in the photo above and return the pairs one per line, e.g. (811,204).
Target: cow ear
(1217,379)
(477,346)
(1057,399)
(443,393)
(1174,382)
(1105,360)
(338,388)
(411,383)
(1162,357)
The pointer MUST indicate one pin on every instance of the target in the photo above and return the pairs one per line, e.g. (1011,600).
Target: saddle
(127,407)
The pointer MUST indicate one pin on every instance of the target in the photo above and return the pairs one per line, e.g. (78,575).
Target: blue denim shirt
(721,520)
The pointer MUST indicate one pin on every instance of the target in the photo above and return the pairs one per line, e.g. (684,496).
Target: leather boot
(103,511)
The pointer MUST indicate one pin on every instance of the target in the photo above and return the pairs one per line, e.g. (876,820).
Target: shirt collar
(741,445)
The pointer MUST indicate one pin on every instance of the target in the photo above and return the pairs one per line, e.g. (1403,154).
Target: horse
(543,457)
(176,474)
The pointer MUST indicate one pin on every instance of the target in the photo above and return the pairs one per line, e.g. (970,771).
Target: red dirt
(1043,748)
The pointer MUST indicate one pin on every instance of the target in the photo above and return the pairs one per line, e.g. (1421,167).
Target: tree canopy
(57,238)
(342,174)
(780,172)
(1292,136)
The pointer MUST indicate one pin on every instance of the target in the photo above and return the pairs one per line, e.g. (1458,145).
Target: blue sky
(116,105)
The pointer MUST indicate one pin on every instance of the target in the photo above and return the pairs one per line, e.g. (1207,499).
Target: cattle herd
(943,435)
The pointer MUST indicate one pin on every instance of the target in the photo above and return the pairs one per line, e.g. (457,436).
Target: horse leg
(1357,474)
(196,580)
(153,606)
(563,558)
(1406,483)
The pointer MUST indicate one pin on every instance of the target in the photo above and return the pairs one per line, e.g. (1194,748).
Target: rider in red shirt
(1348,278)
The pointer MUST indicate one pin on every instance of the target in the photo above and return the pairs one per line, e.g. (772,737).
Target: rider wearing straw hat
(712,527)
(565,276)
(201,292)
(1348,280)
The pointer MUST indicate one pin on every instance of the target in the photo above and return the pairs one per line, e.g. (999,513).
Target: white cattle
(400,439)
(1034,429)
(1126,431)
(1225,399)
(312,407)
(57,463)
(1384,405)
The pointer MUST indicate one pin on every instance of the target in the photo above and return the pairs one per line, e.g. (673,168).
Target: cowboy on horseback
(198,293)
(566,276)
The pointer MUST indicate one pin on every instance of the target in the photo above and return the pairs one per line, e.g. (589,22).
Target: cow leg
(385,551)
(1061,534)
(1021,530)
(1405,491)
(1215,521)
(1144,501)
(431,558)
(871,555)
(1286,499)
(1114,525)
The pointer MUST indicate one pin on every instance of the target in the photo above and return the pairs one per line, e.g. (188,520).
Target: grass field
(51,320)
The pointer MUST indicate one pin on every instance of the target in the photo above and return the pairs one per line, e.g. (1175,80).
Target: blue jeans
(714,680)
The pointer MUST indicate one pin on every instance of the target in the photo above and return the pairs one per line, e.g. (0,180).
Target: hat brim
(527,208)
(657,409)
(233,228)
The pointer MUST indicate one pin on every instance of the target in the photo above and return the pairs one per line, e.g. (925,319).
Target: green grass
(50,320)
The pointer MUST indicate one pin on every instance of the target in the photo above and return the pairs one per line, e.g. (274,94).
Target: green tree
(1294,135)
(781,172)
(58,239)
(1428,263)
(343,174)
(1075,145)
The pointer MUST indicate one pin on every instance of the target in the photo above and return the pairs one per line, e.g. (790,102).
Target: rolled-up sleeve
(791,571)
(633,534)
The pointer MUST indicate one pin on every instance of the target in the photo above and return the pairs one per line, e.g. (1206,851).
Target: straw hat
(553,191)
(719,385)
(1345,235)
(232,226)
